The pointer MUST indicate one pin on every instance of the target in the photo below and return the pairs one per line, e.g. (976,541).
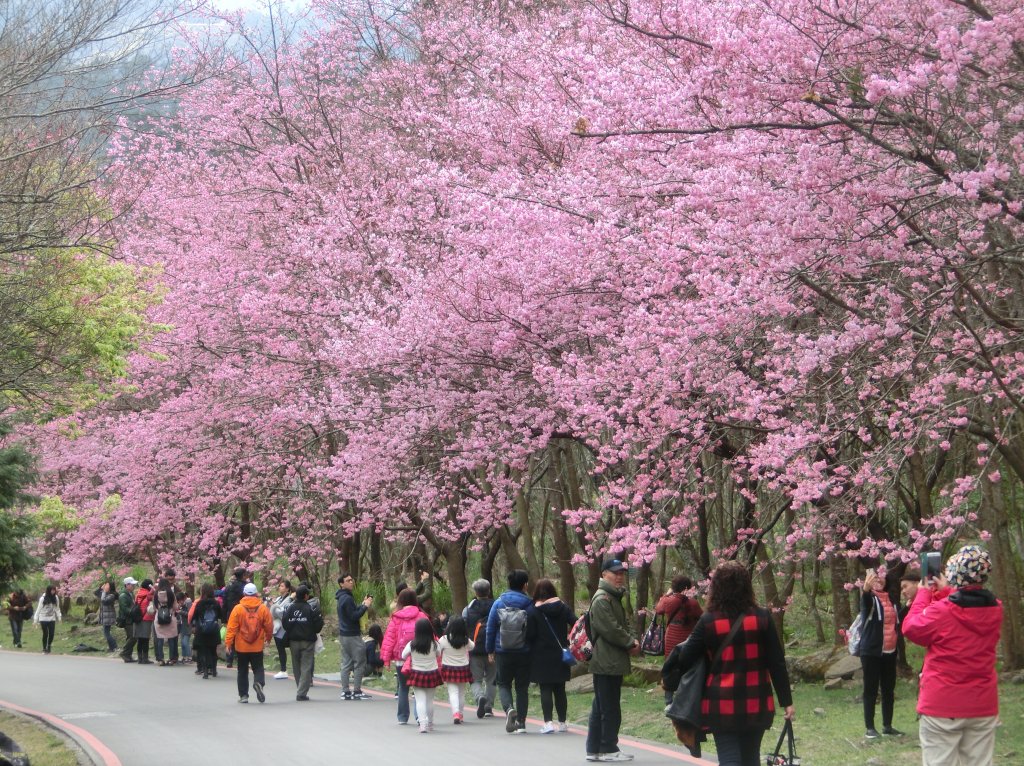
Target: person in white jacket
(47,616)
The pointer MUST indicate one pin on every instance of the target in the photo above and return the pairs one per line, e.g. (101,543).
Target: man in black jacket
(480,664)
(233,593)
(353,652)
(302,623)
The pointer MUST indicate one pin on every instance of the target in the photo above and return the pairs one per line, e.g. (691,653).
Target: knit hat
(250,589)
(970,566)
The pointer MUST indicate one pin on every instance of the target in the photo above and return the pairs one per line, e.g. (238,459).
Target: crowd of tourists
(498,646)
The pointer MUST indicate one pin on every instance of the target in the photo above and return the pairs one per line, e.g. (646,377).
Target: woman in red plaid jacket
(738,702)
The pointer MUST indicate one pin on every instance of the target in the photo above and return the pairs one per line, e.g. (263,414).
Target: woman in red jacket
(144,630)
(959,696)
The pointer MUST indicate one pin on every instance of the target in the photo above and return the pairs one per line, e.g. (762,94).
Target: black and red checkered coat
(738,693)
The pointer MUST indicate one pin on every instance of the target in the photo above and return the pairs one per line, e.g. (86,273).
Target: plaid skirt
(456,674)
(423,679)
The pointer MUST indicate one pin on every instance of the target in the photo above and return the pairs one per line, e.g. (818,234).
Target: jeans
(403,697)
(111,642)
(186,645)
(605,715)
(483,671)
(561,704)
(49,629)
(16,630)
(302,665)
(514,670)
(879,671)
(245,660)
(739,748)
(353,661)
(172,647)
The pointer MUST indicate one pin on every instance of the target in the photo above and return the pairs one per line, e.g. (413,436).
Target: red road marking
(104,752)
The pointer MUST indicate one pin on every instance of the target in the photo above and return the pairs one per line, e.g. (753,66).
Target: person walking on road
(548,635)
(455,647)
(207,617)
(301,623)
(250,628)
(107,615)
(959,696)
(19,609)
(480,663)
(400,631)
(738,702)
(422,674)
(47,616)
(233,593)
(507,643)
(125,602)
(353,653)
(613,645)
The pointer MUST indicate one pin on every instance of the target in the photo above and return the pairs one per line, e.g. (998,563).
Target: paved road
(153,716)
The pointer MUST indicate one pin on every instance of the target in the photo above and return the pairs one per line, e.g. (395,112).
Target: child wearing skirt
(421,672)
(455,647)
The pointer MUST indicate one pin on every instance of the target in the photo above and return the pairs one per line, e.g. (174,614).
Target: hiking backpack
(579,639)
(250,626)
(512,627)
(209,625)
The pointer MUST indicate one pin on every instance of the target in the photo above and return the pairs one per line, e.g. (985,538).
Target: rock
(846,666)
(820,711)
(833,683)
(811,667)
(580,685)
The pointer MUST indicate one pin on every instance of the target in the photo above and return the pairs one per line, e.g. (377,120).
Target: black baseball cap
(613,565)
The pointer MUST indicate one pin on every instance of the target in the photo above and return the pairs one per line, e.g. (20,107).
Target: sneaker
(593,756)
(547,728)
(360,695)
(520,729)
(259,692)
(892,732)
(280,676)
(301,698)
(345,695)
(510,720)
(872,734)
(489,712)
(456,718)
(563,726)
(423,728)
(430,725)
(481,707)
(244,700)
(617,756)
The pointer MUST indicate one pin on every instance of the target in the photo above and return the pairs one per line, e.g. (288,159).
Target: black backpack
(135,614)
(209,625)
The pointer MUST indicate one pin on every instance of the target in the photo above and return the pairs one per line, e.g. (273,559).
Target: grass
(829,725)
(44,748)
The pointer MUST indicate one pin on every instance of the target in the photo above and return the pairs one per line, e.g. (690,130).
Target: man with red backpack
(250,628)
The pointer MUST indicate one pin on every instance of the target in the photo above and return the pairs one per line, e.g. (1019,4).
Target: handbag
(567,656)
(685,709)
(653,642)
(776,758)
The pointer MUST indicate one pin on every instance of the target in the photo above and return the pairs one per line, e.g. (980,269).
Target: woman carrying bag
(737,703)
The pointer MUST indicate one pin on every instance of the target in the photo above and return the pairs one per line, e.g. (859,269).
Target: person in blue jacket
(508,647)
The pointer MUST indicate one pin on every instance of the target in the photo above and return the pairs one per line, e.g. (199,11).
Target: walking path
(152,716)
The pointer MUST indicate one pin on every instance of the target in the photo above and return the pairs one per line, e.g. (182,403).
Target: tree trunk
(1005,577)
(842,615)
(526,533)
(455,556)
(560,531)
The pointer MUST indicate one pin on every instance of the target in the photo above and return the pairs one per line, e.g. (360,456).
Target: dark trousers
(16,630)
(172,648)
(129,642)
(111,642)
(49,629)
(605,715)
(403,696)
(143,644)
(879,672)
(246,660)
(561,704)
(739,748)
(514,670)
(282,653)
(206,659)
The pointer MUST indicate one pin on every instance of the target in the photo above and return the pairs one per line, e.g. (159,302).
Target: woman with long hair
(400,631)
(207,618)
(108,613)
(144,627)
(547,633)
(165,622)
(47,616)
(738,702)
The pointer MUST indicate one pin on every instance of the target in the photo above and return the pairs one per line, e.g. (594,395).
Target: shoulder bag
(685,708)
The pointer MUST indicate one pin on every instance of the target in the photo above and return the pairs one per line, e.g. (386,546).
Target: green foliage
(15,562)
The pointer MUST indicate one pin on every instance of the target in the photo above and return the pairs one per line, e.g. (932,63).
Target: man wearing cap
(250,628)
(958,701)
(613,644)
(125,601)
(302,621)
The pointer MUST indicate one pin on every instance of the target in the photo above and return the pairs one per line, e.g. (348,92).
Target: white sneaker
(616,757)
(563,726)
(547,728)
(280,675)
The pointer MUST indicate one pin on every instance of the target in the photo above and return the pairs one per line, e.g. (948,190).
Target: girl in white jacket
(47,616)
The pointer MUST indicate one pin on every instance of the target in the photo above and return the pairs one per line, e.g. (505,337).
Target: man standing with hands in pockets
(353,651)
